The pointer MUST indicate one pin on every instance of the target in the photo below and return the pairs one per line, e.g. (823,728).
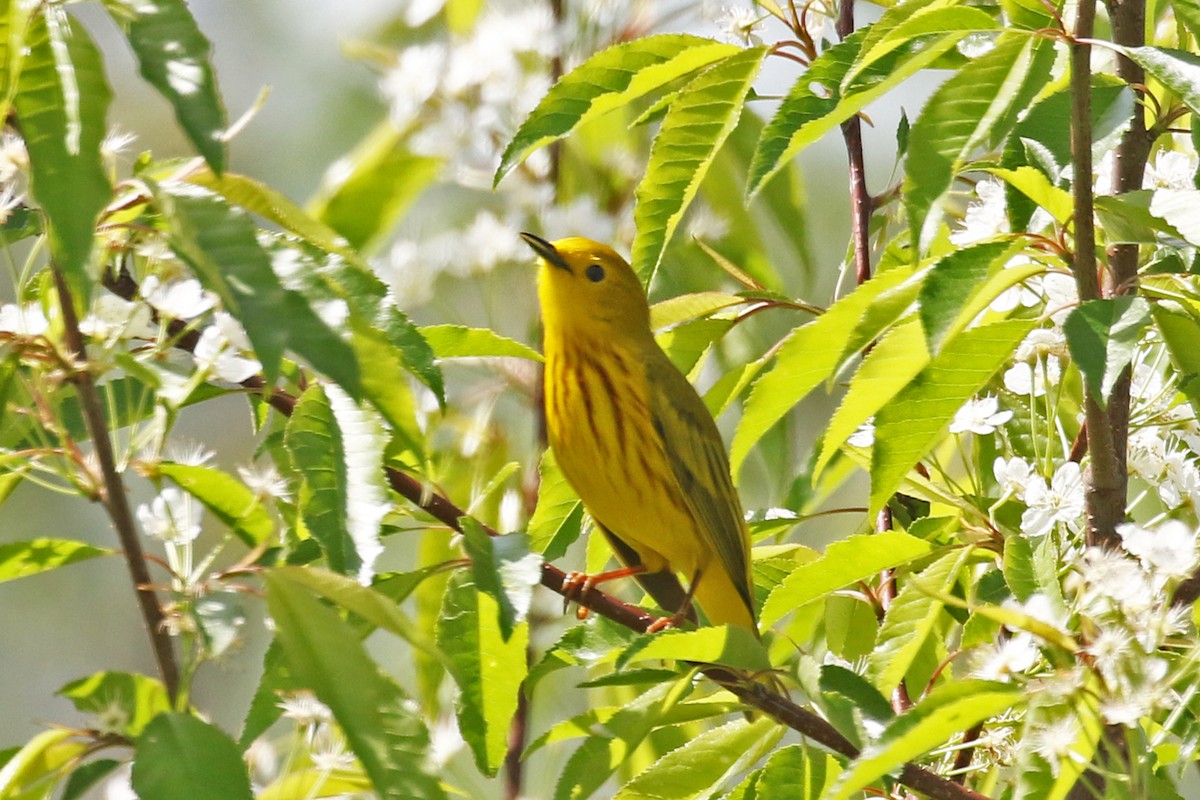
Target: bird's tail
(722,601)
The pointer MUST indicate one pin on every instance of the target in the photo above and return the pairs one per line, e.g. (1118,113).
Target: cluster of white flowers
(322,738)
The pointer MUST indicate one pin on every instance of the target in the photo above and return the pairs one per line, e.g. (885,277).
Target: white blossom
(1060,501)
(741,24)
(985,217)
(864,436)
(1042,342)
(214,351)
(1171,169)
(303,708)
(180,299)
(1012,474)
(980,415)
(1032,379)
(1168,551)
(24,320)
(172,517)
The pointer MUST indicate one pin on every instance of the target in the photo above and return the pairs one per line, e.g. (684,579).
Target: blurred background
(330,70)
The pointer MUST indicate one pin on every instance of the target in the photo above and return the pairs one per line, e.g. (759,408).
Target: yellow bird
(635,440)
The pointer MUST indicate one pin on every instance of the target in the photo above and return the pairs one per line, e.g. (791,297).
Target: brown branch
(861,202)
(633,617)
(113,496)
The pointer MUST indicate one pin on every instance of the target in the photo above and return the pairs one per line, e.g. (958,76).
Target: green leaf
(503,568)
(969,112)
(557,520)
(62,100)
(1033,184)
(459,341)
(14,25)
(910,424)
(609,80)
(1103,337)
(179,757)
(1177,208)
(891,365)
(273,205)
(828,93)
(902,26)
(942,302)
(316,444)
(85,776)
(488,669)
(808,356)
(727,645)
(26,774)
(948,710)
(22,559)
(174,57)
(384,179)
(385,382)
(225,496)
(1178,70)
(857,558)
(123,702)
(686,307)
(598,757)
(910,619)
(796,772)
(264,708)
(1019,572)
(416,353)
(326,656)
(373,606)
(696,125)
(704,763)
(221,244)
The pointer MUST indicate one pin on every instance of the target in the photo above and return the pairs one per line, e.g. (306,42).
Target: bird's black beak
(545,250)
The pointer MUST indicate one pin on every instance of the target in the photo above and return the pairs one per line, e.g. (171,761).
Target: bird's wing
(693,448)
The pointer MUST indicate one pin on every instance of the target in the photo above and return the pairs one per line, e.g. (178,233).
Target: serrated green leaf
(699,120)
(488,669)
(417,354)
(796,772)
(909,425)
(385,383)
(891,365)
(700,767)
(1103,337)
(1178,70)
(180,757)
(459,341)
(970,111)
(860,692)
(225,496)
(1127,218)
(1177,208)
(809,356)
(1018,567)
(918,23)
(373,606)
(597,758)
(686,307)
(942,303)
(1045,129)
(325,655)
(315,782)
(317,446)
(728,645)
(827,94)
(505,569)
(364,203)
(910,619)
(588,722)
(62,100)
(221,244)
(948,710)
(1033,184)
(557,519)
(264,707)
(127,701)
(271,204)
(22,559)
(174,57)
(608,80)
(849,561)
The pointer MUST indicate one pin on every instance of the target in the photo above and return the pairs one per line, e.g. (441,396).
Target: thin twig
(113,496)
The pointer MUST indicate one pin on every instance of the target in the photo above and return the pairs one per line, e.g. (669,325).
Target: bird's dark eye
(595,273)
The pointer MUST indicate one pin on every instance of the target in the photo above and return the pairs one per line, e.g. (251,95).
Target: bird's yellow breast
(600,425)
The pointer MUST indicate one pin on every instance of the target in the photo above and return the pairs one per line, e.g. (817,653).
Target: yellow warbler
(634,439)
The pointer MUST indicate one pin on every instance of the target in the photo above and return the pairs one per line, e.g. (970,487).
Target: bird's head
(585,285)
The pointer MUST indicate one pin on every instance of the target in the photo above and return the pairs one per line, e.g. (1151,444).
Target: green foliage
(921,493)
